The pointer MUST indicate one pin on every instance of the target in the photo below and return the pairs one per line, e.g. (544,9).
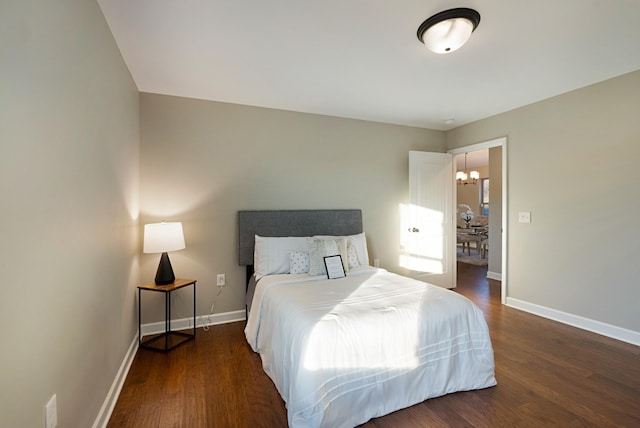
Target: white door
(427,235)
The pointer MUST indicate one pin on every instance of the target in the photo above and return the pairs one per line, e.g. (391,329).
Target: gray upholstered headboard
(293,223)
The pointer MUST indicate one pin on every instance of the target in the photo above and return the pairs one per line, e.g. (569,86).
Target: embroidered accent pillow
(320,248)
(352,255)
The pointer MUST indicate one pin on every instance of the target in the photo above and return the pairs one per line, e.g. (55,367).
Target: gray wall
(69,192)
(573,162)
(203,161)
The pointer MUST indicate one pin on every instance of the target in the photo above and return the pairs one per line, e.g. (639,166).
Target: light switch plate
(524,217)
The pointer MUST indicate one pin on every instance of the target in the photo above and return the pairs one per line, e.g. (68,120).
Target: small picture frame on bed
(334,267)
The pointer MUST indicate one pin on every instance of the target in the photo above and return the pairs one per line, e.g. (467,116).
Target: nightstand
(170,338)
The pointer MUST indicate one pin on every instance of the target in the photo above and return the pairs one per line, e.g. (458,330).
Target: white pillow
(359,241)
(319,248)
(298,262)
(271,255)
(357,254)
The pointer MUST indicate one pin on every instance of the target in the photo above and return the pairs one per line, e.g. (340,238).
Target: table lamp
(162,238)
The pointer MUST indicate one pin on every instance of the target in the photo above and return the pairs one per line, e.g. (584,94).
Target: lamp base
(164,275)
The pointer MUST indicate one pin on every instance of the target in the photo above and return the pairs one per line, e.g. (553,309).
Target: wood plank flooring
(549,374)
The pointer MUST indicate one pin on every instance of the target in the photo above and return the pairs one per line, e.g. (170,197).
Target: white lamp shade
(448,36)
(163,237)
(460,175)
(475,175)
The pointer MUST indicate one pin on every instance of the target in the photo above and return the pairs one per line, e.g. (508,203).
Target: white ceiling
(361,58)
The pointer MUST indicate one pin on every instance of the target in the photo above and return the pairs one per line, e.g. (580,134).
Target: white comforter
(343,351)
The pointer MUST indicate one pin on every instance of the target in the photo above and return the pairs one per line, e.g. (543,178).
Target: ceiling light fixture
(447,31)
(463,179)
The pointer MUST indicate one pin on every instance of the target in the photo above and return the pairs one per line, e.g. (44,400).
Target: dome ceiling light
(447,31)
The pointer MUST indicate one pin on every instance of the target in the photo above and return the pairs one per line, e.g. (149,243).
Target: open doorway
(494,169)
(473,197)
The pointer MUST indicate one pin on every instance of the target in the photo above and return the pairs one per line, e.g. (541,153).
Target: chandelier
(462,178)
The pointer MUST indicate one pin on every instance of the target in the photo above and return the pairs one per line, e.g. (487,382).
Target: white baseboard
(158,327)
(494,275)
(114,392)
(187,323)
(619,333)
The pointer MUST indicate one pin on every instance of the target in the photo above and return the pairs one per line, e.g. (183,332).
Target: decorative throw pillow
(299,262)
(357,254)
(320,248)
(352,255)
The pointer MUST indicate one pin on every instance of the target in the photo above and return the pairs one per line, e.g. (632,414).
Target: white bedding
(343,351)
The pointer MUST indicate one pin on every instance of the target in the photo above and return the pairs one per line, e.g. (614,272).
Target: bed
(342,351)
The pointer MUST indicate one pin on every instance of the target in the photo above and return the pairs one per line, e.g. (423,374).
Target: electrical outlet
(51,412)
(221,280)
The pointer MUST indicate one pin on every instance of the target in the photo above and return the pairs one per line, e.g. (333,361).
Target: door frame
(498,142)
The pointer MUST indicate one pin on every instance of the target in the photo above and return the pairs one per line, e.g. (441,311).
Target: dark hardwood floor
(549,374)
